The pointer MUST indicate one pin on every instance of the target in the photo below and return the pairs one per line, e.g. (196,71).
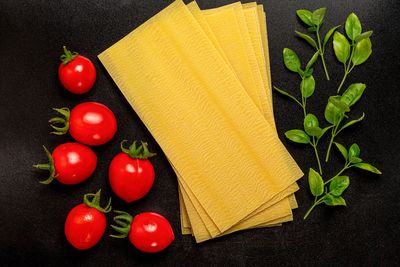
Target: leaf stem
(346,166)
(316,203)
(344,78)
(314,145)
(321,53)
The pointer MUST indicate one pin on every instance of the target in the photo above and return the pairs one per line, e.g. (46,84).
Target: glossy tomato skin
(130,179)
(78,75)
(73,163)
(92,123)
(84,226)
(150,232)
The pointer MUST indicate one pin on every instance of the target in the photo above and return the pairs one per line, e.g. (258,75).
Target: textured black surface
(32,215)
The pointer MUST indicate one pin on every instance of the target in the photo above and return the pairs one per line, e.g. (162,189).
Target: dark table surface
(32,34)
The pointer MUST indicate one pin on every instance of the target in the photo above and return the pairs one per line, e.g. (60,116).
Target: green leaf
(307,86)
(312,60)
(367,167)
(332,200)
(318,16)
(291,60)
(338,185)
(353,93)
(308,72)
(311,125)
(353,26)
(355,160)
(342,150)
(354,151)
(364,35)
(307,38)
(297,136)
(287,94)
(339,104)
(324,131)
(341,46)
(305,16)
(332,114)
(316,183)
(352,122)
(312,29)
(329,34)
(362,51)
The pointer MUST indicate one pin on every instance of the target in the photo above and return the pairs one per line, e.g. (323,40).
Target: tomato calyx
(137,152)
(68,56)
(48,167)
(124,221)
(93,201)
(60,124)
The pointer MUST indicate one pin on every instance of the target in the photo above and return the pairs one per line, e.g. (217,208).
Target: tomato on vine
(76,73)
(90,123)
(70,163)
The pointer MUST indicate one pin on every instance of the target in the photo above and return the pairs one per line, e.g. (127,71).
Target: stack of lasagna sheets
(200,82)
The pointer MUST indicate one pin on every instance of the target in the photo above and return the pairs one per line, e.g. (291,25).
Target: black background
(32,34)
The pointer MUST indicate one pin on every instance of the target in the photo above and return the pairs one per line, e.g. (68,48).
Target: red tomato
(131,174)
(70,163)
(149,232)
(86,223)
(90,123)
(77,73)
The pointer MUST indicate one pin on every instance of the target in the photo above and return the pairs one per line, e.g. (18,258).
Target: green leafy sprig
(354,53)
(314,21)
(338,107)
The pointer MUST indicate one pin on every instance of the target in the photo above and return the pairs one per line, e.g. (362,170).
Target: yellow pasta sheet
(236,45)
(225,152)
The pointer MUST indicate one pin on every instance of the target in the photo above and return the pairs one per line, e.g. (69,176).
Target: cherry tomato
(131,174)
(77,73)
(70,163)
(149,231)
(90,123)
(86,223)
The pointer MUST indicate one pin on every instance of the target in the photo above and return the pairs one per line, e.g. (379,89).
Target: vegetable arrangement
(131,174)
(351,53)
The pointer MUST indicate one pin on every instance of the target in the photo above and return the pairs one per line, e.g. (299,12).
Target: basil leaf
(318,16)
(364,35)
(312,29)
(342,150)
(324,131)
(287,94)
(354,151)
(312,60)
(332,200)
(353,26)
(338,185)
(329,34)
(315,182)
(307,86)
(308,72)
(367,167)
(353,93)
(332,114)
(297,136)
(311,125)
(307,38)
(339,104)
(305,16)
(362,51)
(291,60)
(355,160)
(352,122)
(341,46)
